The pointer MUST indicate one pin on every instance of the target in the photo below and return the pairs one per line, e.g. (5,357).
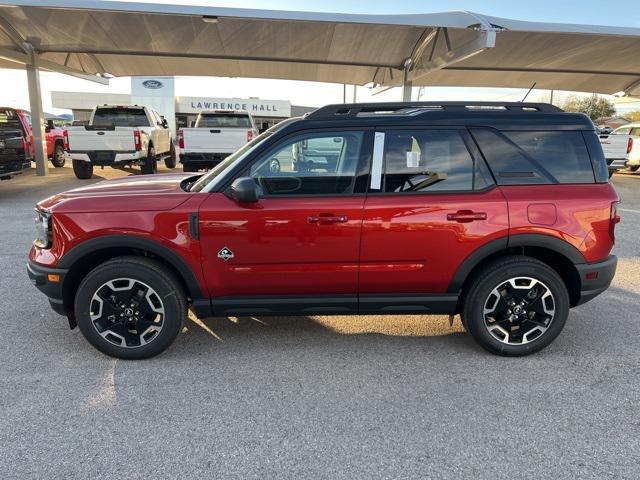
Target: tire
(141,329)
(634,168)
(58,159)
(150,165)
(83,170)
(170,161)
(540,318)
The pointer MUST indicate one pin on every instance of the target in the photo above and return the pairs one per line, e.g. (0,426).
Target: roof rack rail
(355,109)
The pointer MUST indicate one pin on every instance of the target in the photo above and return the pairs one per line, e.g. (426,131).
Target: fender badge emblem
(225,254)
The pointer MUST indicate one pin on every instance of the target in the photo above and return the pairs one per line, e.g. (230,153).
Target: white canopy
(454,48)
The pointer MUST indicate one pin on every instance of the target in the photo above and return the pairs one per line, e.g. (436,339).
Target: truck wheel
(170,161)
(150,164)
(130,307)
(515,306)
(58,159)
(634,168)
(83,170)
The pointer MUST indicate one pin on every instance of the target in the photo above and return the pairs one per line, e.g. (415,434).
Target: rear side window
(224,120)
(9,119)
(121,117)
(430,160)
(536,157)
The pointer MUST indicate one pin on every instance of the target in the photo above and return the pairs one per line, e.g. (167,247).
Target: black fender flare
(88,247)
(502,244)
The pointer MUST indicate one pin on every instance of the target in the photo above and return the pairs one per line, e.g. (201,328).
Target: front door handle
(327,219)
(466,216)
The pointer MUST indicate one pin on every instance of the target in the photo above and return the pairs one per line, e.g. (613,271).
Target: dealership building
(159,93)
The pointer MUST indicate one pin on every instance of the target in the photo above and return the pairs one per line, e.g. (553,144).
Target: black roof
(499,115)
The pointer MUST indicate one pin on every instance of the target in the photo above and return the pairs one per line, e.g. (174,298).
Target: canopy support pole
(37,114)
(406,83)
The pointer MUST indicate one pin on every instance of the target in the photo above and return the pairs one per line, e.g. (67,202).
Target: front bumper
(595,278)
(43,279)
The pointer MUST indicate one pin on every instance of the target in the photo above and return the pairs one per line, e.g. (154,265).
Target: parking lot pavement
(316,397)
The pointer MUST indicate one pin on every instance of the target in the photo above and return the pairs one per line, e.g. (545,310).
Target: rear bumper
(617,164)
(595,278)
(202,160)
(39,276)
(13,167)
(107,158)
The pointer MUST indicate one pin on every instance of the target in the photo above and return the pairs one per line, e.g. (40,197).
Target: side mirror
(164,122)
(49,126)
(244,190)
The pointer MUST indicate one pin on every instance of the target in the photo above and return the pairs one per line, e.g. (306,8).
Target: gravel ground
(316,397)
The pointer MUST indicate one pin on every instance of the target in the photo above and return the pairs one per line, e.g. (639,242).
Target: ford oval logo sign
(153,84)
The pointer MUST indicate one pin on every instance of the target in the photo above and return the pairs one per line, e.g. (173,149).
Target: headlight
(43,229)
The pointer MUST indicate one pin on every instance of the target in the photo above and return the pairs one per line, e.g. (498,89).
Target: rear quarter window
(536,157)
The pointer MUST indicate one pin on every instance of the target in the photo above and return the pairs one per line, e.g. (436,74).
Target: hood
(135,193)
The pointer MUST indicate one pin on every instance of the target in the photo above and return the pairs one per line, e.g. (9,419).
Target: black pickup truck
(15,154)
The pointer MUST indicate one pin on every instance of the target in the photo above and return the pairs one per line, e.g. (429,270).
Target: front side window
(310,164)
(430,161)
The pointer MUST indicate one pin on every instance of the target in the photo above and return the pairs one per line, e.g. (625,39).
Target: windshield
(121,117)
(223,120)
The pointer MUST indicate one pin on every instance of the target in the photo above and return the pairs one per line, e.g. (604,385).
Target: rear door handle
(327,219)
(466,216)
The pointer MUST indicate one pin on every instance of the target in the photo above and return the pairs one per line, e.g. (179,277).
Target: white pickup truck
(616,148)
(120,136)
(214,136)
(632,132)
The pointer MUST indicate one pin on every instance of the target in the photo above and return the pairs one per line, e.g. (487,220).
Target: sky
(14,91)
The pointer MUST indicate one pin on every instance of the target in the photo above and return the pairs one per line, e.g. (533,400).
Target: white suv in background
(633,157)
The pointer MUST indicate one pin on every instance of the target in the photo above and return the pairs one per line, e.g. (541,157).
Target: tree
(594,106)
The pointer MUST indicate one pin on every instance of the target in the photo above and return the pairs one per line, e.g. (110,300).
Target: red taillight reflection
(249,135)
(180,138)
(65,137)
(629,145)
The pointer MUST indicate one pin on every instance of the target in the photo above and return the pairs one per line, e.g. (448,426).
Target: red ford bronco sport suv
(502,213)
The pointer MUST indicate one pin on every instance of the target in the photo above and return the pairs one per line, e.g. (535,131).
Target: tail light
(249,135)
(65,139)
(180,138)
(614,219)
(136,140)
(629,145)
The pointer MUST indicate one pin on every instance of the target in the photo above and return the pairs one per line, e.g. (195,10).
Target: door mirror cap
(244,190)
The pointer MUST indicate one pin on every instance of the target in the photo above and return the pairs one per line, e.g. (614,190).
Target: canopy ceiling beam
(483,40)
(24,59)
